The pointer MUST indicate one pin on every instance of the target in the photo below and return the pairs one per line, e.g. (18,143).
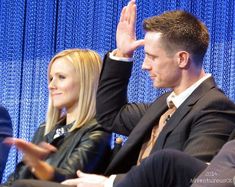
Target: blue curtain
(32,31)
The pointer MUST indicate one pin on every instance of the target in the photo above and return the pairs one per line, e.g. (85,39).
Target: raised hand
(126,31)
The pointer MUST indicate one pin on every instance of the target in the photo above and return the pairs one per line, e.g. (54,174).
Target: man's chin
(158,85)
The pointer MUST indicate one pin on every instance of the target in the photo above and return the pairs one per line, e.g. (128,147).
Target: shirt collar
(179,99)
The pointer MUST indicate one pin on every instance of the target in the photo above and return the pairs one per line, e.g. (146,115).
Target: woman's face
(64,84)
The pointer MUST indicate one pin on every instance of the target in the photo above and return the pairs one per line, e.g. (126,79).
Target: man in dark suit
(175,44)
(5,131)
(200,117)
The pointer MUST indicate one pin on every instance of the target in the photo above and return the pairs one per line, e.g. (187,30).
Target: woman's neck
(70,118)
(71,114)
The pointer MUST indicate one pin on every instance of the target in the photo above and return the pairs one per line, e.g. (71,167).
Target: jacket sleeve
(90,155)
(114,113)
(210,127)
(5,131)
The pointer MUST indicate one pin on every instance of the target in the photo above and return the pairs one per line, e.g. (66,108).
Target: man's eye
(150,58)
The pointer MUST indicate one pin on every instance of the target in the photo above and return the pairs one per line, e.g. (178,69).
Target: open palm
(126,34)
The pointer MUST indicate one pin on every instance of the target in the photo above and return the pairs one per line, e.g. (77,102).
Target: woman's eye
(61,77)
(50,79)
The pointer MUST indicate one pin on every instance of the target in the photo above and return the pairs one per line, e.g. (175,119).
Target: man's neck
(188,80)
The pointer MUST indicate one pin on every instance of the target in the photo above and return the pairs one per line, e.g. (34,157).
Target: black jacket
(86,149)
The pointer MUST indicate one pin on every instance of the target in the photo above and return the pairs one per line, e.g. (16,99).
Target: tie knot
(171,104)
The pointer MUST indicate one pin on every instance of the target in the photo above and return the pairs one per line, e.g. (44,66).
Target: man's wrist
(118,53)
(114,56)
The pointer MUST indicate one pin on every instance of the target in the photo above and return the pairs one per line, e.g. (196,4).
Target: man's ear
(183,59)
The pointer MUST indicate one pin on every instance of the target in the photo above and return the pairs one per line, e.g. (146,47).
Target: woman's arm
(91,155)
(33,155)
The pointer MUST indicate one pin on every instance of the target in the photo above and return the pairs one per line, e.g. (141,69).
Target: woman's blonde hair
(87,64)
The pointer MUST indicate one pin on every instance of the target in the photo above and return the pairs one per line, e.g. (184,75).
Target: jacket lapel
(143,127)
(182,111)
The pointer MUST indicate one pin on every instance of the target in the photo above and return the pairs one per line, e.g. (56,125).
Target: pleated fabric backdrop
(32,31)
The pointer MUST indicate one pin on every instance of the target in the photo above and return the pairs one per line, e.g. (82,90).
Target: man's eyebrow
(149,54)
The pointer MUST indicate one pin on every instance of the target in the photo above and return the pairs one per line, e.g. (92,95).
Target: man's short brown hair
(180,31)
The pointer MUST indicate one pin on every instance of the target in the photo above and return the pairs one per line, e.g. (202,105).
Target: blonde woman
(72,138)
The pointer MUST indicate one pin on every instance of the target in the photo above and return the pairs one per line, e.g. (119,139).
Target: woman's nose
(52,84)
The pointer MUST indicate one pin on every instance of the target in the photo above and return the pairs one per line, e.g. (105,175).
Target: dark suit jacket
(199,127)
(5,131)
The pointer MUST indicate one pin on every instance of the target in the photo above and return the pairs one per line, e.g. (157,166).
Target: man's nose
(146,65)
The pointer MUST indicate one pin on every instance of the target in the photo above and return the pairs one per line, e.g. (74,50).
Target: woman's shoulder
(91,128)
(39,133)
(92,125)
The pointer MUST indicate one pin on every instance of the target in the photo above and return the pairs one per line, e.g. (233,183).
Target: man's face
(162,67)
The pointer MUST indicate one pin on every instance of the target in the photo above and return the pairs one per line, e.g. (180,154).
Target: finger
(123,13)
(26,147)
(10,141)
(71,182)
(139,43)
(132,2)
(19,143)
(30,148)
(127,12)
(47,146)
(131,11)
(132,20)
(80,174)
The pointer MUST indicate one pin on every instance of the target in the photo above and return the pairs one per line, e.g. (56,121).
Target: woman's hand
(34,155)
(37,151)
